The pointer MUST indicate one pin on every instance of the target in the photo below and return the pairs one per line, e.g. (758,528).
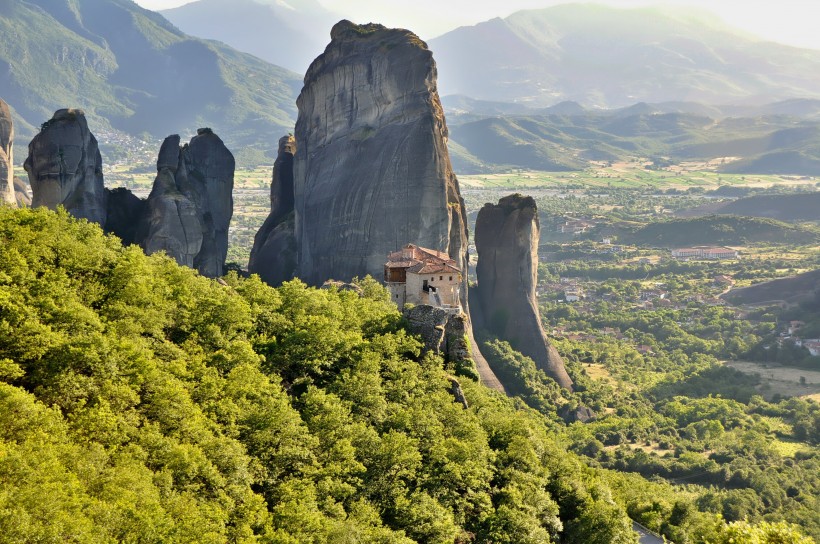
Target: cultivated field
(631,175)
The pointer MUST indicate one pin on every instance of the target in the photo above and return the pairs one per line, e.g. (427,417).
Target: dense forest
(140,402)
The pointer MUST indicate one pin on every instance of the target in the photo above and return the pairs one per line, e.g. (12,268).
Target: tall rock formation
(6,155)
(506,239)
(371,170)
(191,203)
(273,256)
(65,167)
(187,214)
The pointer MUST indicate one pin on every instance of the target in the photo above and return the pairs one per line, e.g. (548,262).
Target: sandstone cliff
(6,155)
(65,168)
(190,206)
(371,171)
(273,256)
(506,240)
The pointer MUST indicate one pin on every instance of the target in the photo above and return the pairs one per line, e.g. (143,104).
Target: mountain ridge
(599,56)
(132,70)
(280,35)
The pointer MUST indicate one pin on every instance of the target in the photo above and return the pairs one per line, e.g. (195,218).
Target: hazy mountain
(130,69)
(607,57)
(288,33)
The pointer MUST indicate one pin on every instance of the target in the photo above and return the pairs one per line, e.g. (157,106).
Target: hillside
(801,288)
(720,229)
(131,70)
(760,144)
(607,57)
(791,207)
(285,34)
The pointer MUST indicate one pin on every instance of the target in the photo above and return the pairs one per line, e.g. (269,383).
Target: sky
(793,22)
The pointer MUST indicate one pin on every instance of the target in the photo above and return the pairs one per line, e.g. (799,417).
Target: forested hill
(722,229)
(130,69)
(142,402)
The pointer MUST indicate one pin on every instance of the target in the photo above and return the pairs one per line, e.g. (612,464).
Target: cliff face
(190,206)
(372,171)
(65,168)
(506,239)
(273,256)
(6,156)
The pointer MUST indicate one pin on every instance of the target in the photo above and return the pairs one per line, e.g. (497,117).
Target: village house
(575,226)
(652,294)
(417,275)
(573,294)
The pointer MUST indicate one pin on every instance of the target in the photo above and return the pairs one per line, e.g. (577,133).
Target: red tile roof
(421,260)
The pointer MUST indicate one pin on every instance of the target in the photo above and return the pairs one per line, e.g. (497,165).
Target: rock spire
(65,167)
(191,203)
(187,214)
(371,170)
(506,240)
(273,256)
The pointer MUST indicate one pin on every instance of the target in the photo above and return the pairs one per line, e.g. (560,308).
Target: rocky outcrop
(576,413)
(6,155)
(441,332)
(190,206)
(21,193)
(371,170)
(273,256)
(506,240)
(65,167)
(458,392)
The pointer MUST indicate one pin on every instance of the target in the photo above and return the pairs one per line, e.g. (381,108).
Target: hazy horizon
(792,22)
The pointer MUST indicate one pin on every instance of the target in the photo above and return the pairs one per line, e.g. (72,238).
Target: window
(451,278)
(441,278)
